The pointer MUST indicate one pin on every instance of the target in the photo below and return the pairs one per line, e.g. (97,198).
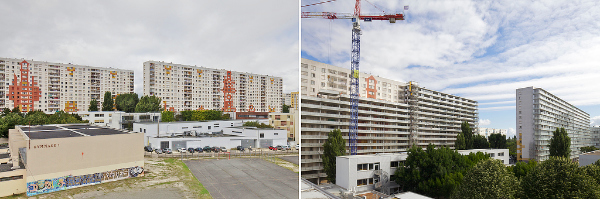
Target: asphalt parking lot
(245,178)
(292,159)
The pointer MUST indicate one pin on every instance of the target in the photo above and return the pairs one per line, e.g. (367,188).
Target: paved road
(292,159)
(245,178)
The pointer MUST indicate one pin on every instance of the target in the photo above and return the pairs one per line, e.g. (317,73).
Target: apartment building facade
(595,136)
(51,87)
(288,121)
(392,115)
(538,114)
(186,87)
(486,132)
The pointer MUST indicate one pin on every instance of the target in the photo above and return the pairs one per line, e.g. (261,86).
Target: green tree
(286,108)
(334,146)
(148,104)
(479,142)
(467,133)
(5,112)
(560,143)
(93,105)
(488,179)
(167,116)
(434,172)
(586,149)
(61,117)
(257,124)
(8,122)
(460,142)
(521,169)
(108,103)
(127,102)
(511,144)
(497,141)
(593,170)
(559,177)
(35,118)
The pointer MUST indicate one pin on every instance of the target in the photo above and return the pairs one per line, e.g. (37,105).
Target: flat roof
(67,130)
(187,122)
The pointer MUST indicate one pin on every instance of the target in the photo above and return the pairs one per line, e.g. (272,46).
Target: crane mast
(354,76)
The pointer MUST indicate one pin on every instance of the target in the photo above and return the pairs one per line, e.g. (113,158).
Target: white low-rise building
(363,173)
(221,133)
(117,119)
(486,132)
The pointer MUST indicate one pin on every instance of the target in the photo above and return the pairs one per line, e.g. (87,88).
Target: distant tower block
(24,92)
(228,91)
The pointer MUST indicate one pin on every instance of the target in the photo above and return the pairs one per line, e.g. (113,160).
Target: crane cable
(317,3)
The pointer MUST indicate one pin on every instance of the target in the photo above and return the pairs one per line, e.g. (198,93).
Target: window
(492,155)
(144,130)
(394,164)
(185,127)
(322,70)
(262,135)
(209,127)
(197,127)
(501,154)
(140,129)
(276,134)
(216,125)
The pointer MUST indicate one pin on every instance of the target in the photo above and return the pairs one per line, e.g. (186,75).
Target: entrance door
(164,144)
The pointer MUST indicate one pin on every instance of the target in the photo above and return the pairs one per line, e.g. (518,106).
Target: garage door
(179,144)
(265,143)
(248,143)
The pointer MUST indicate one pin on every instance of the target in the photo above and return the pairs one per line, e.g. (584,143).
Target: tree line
(11,118)
(129,103)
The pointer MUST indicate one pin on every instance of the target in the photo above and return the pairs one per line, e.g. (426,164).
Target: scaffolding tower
(411,98)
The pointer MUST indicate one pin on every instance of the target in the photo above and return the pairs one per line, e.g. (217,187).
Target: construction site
(375,114)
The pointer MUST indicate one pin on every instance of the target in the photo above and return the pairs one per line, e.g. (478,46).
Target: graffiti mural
(228,91)
(68,182)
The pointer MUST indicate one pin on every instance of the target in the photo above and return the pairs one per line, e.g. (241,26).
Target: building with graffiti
(50,158)
(185,87)
(50,87)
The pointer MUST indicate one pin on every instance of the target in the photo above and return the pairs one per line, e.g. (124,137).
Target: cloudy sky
(250,36)
(474,49)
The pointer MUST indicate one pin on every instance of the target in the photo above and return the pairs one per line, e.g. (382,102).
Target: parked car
(215,149)
(191,150)
(167,151)
(199,149)
(223,149)
(148,148)
(279,147)
(207,149)
(287,147)
(273,148)
(240,148)
(297,146)
(181,150)
(158,151)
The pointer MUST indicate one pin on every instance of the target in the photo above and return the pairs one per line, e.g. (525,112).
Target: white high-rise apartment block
(287,97)
(486,132)
(595,136)
(392,115)
(184,87)
(538,114)
(58,86)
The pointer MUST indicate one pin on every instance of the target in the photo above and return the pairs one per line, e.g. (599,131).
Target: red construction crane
(356,32)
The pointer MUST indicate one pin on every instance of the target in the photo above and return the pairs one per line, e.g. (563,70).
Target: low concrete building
(221,133)
(589,158)
(362,173)
(486,132)
(51,158)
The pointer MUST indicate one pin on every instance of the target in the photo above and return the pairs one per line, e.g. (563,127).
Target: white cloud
(474,49)
(484,122)
(595,121)
(511,132)
(258,37)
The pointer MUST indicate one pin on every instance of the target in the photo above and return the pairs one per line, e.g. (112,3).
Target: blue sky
(474,49)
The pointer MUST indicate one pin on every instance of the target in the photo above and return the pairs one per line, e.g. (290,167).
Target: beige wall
(83,153)
(16,140)
(11,187)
